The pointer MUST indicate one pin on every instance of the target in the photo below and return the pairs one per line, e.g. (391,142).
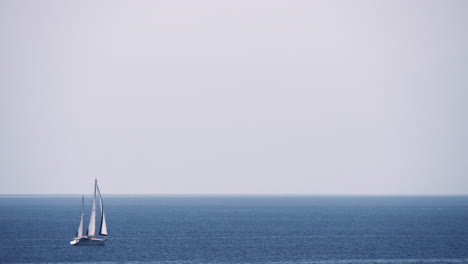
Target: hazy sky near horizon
(234,97)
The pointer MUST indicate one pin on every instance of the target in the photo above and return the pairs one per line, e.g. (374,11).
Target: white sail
(92,219)
(103,229)
(80,228)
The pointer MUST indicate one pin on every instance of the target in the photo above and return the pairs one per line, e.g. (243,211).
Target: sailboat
(90,238)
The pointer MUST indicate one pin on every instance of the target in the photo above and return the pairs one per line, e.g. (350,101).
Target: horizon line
(233,194)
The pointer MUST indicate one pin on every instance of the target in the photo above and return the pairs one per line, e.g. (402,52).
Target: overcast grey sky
(234,97)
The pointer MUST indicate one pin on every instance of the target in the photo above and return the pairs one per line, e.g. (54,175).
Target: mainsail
(92,219)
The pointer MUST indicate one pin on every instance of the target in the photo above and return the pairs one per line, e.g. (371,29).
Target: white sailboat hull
(88,241)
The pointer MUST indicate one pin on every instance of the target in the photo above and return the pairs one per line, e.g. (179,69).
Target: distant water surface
(240,229)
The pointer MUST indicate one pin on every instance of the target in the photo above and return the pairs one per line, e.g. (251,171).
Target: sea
(239,229)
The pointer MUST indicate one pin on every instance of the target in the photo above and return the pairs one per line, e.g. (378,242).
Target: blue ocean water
(240,229)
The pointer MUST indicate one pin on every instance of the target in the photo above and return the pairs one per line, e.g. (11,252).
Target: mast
(103,228)
(80,228)
(92,219)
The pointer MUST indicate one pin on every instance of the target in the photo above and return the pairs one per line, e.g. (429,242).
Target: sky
(234,97)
